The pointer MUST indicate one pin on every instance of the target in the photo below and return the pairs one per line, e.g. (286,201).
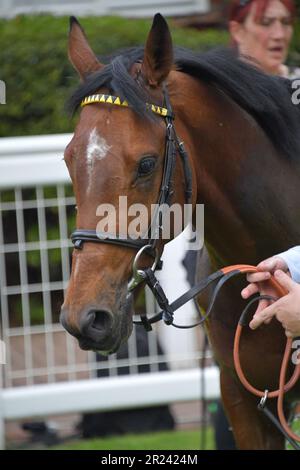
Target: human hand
(286,309)
(258,281)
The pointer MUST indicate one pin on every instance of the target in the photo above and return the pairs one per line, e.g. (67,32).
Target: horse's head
(117,150)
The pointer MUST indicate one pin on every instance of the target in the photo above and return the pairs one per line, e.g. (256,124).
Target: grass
(296,428)
(171,440)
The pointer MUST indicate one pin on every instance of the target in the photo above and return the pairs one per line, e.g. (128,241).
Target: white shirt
(292,259)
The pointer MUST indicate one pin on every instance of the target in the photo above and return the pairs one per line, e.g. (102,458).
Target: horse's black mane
(267,98)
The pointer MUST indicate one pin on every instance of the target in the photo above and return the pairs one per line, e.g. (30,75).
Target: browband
(100,98)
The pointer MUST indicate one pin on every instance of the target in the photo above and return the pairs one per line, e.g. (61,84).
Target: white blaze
(97,149)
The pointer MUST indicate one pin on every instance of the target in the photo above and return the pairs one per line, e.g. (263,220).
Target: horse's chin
(125,332)
(113,348)
(111,345)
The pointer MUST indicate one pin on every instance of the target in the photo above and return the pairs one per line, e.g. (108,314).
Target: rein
(222,276)
(147,276)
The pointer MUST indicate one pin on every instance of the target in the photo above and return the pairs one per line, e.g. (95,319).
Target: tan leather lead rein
(283,387)
(221,277)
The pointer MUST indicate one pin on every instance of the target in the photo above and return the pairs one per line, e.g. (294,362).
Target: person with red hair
(262,30)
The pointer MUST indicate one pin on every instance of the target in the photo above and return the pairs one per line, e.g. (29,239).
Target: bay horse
(241,133)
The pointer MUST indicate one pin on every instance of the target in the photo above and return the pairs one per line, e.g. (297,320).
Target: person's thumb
(273,263)
(284,280)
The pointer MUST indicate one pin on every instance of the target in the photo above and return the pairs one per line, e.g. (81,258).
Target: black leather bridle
(172,144)
(147,244)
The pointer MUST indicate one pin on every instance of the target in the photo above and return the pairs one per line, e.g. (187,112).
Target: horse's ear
(158,54)
(80,53)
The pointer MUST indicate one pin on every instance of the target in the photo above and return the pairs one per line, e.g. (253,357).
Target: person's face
(266,41)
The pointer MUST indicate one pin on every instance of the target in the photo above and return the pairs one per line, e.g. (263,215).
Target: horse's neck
(240,181)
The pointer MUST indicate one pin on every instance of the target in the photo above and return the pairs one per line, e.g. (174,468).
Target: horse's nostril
(102,320)
(96,326)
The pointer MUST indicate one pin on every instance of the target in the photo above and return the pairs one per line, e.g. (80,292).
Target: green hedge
(39,78)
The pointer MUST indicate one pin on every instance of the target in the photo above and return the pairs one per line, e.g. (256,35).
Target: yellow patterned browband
(117,101)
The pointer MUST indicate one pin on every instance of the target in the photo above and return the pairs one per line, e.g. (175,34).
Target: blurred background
(51,391)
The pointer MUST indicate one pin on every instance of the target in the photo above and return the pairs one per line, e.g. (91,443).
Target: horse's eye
(146,166)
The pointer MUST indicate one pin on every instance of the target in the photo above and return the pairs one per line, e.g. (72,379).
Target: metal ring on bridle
(138,273)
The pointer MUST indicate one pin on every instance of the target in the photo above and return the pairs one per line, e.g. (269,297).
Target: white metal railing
(129,8)
(28,165)
(144,390)
(27,161)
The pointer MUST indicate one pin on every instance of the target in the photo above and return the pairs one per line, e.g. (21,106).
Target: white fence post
(173,279)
